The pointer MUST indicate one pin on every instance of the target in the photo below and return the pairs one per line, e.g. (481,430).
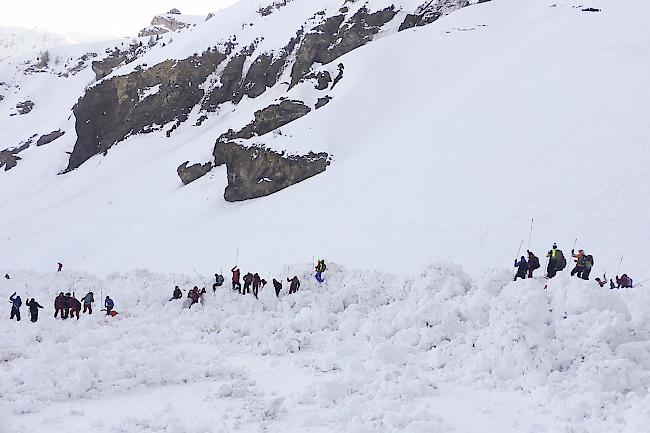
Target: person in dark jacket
(108,304)
(295,284)
(248,280)
(533,263)
(522,268)
(257,282)
(33,309)
(16,303)
(74,305)
(178,293)
(60,267)
(7,277)
(277,286)
(59,303)
(624,282)
(66,306)
(236,285)
(88,302)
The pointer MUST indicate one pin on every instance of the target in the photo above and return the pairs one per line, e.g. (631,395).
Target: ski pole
(620,263)
(237,258)
(530,236)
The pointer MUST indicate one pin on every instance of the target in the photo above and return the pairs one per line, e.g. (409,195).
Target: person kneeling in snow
(109,304)
(178,293)
(522,268)
(624,282)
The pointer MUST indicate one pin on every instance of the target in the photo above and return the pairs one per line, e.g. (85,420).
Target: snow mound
(365,339)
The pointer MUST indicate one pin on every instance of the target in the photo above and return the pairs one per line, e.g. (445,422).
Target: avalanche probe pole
(620,263)
(530,236)
(237,258)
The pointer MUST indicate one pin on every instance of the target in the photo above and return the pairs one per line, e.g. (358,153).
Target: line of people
(557,263)
(65,306)
(253,283)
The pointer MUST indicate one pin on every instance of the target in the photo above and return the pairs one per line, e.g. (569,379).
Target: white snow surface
(446,140)
(364,352)
(15,41)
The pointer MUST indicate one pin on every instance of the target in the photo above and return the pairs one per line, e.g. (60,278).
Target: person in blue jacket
(109,304)
(522,268)
(16,303)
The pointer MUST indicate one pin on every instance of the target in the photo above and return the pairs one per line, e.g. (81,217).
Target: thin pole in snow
(530,236)
(237,258)
(620,263)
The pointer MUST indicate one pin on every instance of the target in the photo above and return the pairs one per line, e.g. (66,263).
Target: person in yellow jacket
(551,269)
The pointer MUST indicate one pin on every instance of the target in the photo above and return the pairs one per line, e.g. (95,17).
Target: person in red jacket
(59,306)
(236,285)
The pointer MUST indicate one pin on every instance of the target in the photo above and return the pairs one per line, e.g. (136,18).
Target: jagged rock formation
(161,24)
(119,107)
(193,172)
(8,159)
(337,36)
(23,108)
(148,98)
(48,138)
(257,172)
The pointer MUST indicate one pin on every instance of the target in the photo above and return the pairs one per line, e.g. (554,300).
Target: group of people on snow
(557,263)
(65,306)
(253,283)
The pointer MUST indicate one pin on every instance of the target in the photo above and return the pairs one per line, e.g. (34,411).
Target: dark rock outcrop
(48,138)
(322,102)
(113,109)
(269,119)
(8,159)
(24,107)
(336,37)
(257,172)
(193,172)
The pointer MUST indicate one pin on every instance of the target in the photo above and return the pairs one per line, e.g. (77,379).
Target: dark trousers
(520,274)
(247,288)
(530,273)
(256,289)
(73,313)
(236,285)
(550,270)
(89,308)
(34,316)
(585,273)
(15,312)
(108,310)
(57,310)
(578,270)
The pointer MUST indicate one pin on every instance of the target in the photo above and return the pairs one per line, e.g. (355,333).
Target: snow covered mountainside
(318,128)
(15,41)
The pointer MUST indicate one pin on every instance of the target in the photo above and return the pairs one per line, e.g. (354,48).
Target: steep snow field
(446,141)
(15,41)
(365,352)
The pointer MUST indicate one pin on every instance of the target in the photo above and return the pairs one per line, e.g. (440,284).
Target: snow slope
(366,352)
(446,141)
(15,41)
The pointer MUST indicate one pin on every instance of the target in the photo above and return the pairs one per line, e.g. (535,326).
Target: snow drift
(364,352)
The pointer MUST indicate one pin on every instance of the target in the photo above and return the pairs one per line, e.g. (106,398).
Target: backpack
(560,260)
(220,280)
(589,261)
(533,263)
